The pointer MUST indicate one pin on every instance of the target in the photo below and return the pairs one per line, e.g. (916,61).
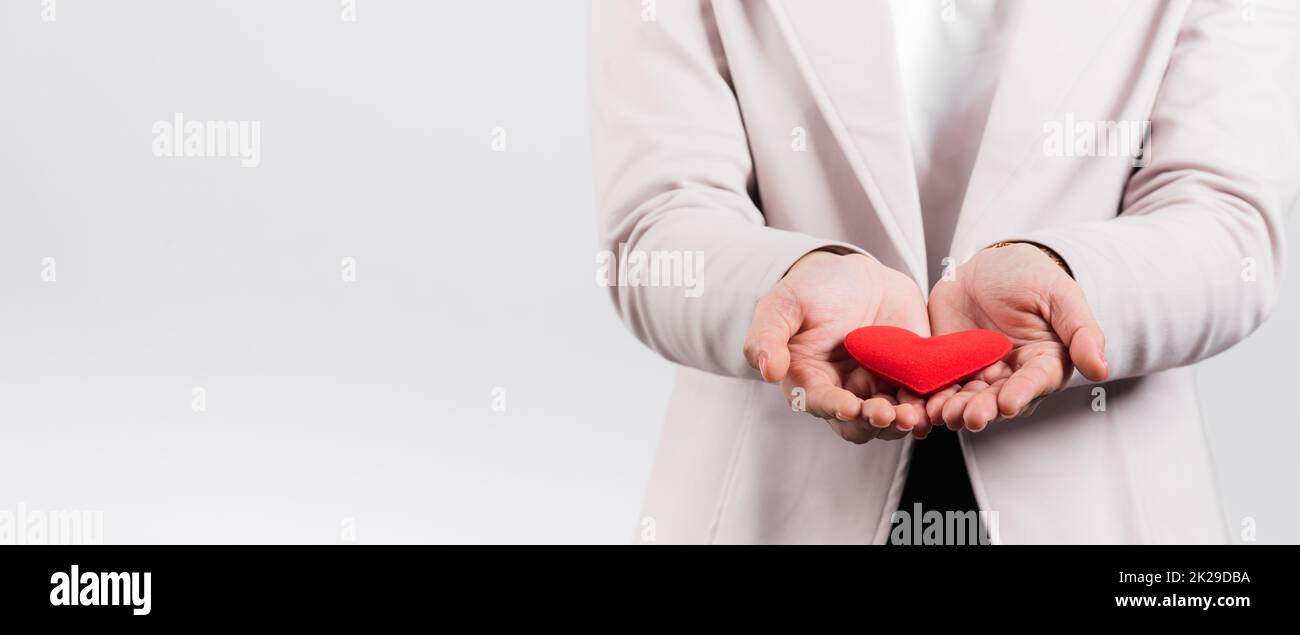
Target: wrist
(829,255)
(1044,249)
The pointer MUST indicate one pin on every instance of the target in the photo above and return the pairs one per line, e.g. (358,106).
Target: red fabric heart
(924,364)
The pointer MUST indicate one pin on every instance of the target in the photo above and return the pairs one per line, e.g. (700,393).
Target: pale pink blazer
(697,105)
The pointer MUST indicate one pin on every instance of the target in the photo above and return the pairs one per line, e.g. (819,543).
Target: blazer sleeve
(674,177)
(1191,265)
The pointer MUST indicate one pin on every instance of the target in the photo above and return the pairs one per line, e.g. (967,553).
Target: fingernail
(762,364)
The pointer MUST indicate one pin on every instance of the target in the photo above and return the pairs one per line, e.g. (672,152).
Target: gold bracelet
(1056,258)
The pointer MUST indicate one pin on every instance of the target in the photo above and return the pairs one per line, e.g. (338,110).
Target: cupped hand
(797,338)
(1021,292)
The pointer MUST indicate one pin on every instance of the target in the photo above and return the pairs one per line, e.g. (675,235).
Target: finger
(956,404)
(999,370)
(828,401)
(1087,351)
(854,431)
(907,416)
(983,408)
(1074,323)
(1039,376)
(777,318)
(879,412)
(860,382)
(921,426)
(934,404)
(922,431)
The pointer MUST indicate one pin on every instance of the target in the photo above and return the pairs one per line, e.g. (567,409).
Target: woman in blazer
(779,139)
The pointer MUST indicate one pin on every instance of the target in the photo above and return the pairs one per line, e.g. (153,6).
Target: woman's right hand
(797,338)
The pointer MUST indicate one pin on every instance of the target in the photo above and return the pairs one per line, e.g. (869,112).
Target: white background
(369,400)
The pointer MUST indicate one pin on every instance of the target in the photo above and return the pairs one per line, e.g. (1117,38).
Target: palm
(1012,312)
(797,338)
(1019,292)
(817,353)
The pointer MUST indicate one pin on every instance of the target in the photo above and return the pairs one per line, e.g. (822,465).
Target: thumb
(776,319)
(1074,323)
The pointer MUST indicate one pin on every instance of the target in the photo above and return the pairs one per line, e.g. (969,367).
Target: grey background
(369,400)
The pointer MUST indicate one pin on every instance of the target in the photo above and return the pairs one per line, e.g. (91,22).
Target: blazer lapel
(847,55)
(1053,45)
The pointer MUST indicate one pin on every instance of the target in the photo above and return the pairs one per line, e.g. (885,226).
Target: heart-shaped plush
(925,364)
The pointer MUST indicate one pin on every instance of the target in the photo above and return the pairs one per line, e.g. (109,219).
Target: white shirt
(950,55)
